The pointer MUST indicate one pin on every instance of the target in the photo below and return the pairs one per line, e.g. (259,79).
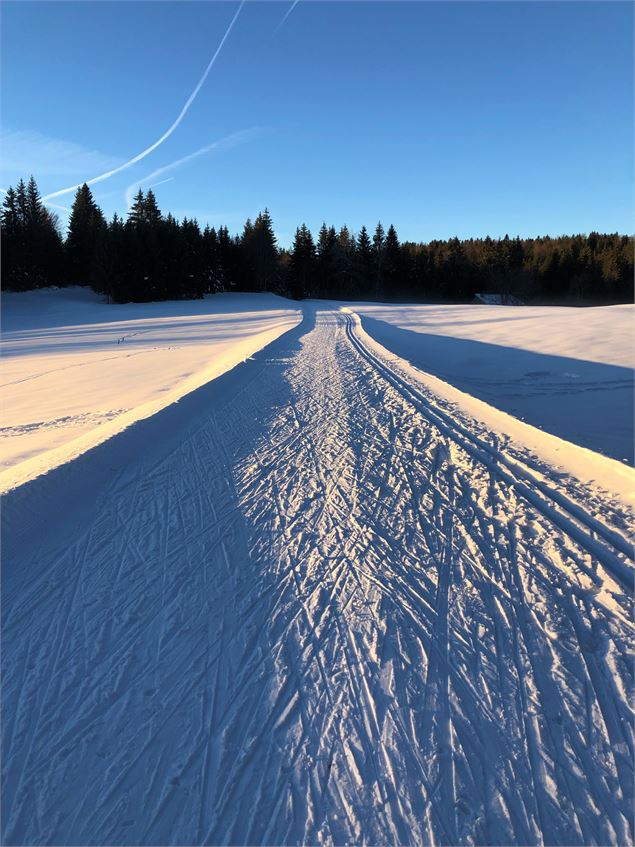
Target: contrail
(161,181)
(288,12)
(222,144)
(55,205)
(167,133)
(130,189)
(46,203)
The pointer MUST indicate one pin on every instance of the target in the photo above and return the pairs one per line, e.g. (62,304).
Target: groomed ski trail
(327,613)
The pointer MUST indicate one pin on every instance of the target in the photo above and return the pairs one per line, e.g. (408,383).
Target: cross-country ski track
(310,603)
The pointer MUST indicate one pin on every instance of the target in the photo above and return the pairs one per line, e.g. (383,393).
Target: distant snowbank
(76,371)
(604,334)
(568,371)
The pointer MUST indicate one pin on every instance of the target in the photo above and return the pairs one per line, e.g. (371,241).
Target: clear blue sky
(443,118)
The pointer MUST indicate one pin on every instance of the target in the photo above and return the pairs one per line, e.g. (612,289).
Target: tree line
(151,256)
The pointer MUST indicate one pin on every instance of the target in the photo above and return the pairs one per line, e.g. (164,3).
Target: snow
(76,370)
(568,371)
(315,602)
(615,479)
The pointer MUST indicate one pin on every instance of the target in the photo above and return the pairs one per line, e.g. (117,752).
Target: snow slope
(310,603)
(565,370)
(75,371)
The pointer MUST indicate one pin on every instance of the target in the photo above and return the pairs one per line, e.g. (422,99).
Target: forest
(152,256)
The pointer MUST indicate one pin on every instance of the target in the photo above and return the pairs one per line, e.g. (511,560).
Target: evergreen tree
(13,243)
(151,212)
(326,266)
(44,242)
(213,270)
(264,253)
(21,200)
(229,260)
(192,258)
(364,262)
(172,274)
(31,241)
(302,264)
(10,213)
(34,205)
(344,263)
(245,270)
(144,266)
(85,224)
(108,273)
(379,241)
(136,213)
(391,266)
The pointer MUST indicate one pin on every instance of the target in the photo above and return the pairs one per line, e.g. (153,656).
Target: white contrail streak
(167,133)
(222,144)
(46,203)
(161,181)
(130,191)
(288,12)
(55,205)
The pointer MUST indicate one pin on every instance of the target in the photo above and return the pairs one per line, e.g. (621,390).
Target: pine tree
(212,266)
(32,244)
(146,279)
(172,275)
(84,226)
(13,246)
(344,264)
(245,270)
(264,253)
(34,205)
(302,264)
(108,274)
(229,260)
(136,213)
(326,266)
(151,212)
(21,200)
(192,259)
(10,213)
(392,264)
(379,240)
(364,262)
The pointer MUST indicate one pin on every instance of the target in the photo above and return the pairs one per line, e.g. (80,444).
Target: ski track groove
(331,614)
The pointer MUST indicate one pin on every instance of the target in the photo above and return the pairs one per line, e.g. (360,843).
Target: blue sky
(443,118)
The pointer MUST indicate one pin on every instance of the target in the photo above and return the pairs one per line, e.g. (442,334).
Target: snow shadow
(587,403)
(168,332)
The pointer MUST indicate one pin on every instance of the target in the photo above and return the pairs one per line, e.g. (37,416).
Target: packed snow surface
(76,370)
(568,371)
(314,602)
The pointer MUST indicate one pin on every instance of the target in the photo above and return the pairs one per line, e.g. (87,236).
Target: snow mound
(76,371)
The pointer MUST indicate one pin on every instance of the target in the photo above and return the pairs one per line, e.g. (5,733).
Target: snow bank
(600,472)
(565,370)
(76,371)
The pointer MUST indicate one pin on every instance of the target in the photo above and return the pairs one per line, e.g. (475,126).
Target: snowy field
(75,370)
(565,370)
(315,601)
